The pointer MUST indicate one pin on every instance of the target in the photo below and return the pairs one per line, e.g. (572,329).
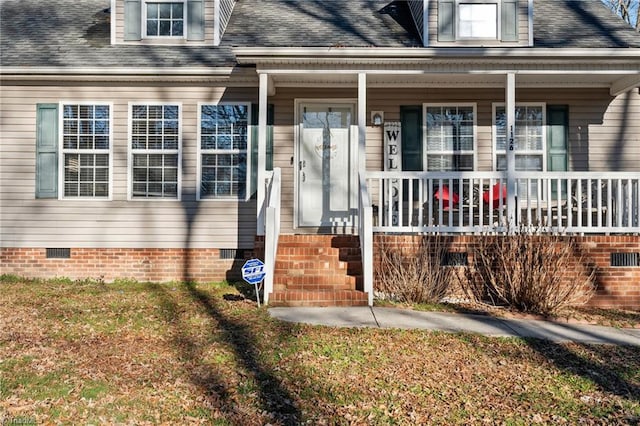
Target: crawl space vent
(231,254)
(455,259)
(625,259)
(58,253)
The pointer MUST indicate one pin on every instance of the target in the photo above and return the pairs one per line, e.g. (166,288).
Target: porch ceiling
(478,79)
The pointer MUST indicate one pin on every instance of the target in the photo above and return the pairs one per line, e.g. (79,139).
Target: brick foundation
(617,287)
(157,265)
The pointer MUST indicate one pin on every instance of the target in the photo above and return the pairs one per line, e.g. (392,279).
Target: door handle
(304,177)
(302,164)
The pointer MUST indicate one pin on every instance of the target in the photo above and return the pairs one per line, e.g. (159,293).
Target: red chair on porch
(494,194)
(449,199)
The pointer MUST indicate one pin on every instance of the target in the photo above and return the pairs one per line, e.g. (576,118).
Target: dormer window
(164,19)
(473,22)
(478,20)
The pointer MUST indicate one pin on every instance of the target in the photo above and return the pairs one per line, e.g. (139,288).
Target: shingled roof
(310,23)
(65,33)
(580,24)
(61,33)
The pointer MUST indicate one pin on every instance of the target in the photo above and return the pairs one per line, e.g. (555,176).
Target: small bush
(413,272)
(529,272)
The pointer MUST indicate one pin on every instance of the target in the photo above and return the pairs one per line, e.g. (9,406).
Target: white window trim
(494,134)
(498,20)
(475,132)
(200,152)
(62,151)
(143,31)
(130,152)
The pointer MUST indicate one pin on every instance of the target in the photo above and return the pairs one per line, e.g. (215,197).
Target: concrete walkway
(453,322)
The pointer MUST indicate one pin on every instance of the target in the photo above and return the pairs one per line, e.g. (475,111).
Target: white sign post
(253,272)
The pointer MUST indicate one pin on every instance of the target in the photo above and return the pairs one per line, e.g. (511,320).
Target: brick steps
(318,270)
(318,298)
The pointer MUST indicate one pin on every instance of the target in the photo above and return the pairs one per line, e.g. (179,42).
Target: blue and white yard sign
(253,272)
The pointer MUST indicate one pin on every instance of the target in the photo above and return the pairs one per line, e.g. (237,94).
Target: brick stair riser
(343,281)
(318,298)
(314,287)
(320,264)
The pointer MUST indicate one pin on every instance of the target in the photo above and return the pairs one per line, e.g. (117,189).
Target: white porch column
(510,109)
(362,122)
(262,151)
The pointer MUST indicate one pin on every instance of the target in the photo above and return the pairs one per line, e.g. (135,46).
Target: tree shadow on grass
(276,403)
(272,394)
(606,366)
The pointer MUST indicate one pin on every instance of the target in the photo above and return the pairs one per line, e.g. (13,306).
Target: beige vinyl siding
(208,25)
(523,28)
(30,222)
(226,8)
(415,6)
(615,144)
(603,135)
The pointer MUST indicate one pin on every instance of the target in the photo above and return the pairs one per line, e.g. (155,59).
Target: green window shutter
(254,144)
(270,119)
(446,20)
(557,137)
(411,143)
(195,20)
(509,31)
(557,141)
(411,124)
(132,20)
(47,151)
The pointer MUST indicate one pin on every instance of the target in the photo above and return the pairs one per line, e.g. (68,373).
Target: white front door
(326,165)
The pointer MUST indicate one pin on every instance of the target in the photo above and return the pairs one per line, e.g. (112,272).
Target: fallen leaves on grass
(168,354)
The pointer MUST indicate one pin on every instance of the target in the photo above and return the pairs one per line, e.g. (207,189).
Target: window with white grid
(450,137)
(223,151)
(155,150)
(164,19)
(86,144)
(478,19)
(529,137)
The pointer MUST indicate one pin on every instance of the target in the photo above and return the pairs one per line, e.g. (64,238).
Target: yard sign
(253,272)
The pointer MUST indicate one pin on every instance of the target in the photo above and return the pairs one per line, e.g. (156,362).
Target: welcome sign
(393,163)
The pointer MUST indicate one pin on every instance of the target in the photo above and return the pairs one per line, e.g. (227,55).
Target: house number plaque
(511,138)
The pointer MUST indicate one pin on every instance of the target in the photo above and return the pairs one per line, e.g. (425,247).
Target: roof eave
(246,55)
(121,74)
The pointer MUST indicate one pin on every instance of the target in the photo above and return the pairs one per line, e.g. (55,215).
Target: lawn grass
(126,352)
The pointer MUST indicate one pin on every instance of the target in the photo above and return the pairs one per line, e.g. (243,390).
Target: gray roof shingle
(61,33)
(580,24)
(64,33)
(317,23)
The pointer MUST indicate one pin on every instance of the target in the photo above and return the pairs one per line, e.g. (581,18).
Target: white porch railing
(365,233)
(476,202)
(272,228)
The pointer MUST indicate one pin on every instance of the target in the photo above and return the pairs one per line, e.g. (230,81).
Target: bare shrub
(413,272)
(529,272)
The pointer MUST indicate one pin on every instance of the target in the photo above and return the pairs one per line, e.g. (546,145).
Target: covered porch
(494,196)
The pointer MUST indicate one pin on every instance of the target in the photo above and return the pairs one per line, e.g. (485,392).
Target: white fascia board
(383,71)
(106,71)
(251,54)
